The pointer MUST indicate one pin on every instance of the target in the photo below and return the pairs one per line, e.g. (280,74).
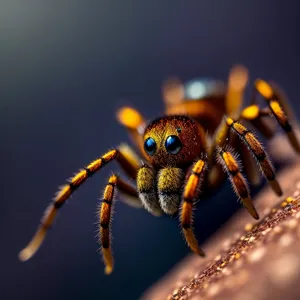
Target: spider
(188,152)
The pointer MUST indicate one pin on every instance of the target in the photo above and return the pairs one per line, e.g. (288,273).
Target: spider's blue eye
(150,146)
(173,144)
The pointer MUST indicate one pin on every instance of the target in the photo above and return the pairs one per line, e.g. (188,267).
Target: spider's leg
(257,151)
(256,117)
(128,160)
(105,216)
(234,98)
(231,167)
(190,194)
(277,107)
(283,100)
(237,80)
(222,138)
(279,95)
(130,163)
(147,190)
(172,92)
(135,123)
(67,190)
(249,165)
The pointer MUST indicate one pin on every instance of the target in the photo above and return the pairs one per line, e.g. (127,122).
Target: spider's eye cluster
(173,144)
(150,146)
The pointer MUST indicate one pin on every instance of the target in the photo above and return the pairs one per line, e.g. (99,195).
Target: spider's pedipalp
(258,152)
(146,187)
(231,167)
(67,190)
(190,193)
(169,185)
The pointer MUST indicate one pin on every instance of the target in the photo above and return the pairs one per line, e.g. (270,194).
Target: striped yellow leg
(257,151)
(231,167)
(105,216)
(256,116)
(125,160)
(190,194)
(276,106)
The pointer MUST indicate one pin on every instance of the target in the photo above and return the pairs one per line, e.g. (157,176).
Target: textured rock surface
(246,259)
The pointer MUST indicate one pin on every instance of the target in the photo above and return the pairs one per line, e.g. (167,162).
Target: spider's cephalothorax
(173,141)
(187,152)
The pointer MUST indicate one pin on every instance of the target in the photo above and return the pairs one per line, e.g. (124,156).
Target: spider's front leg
(126,159)
(190,195)
(105,216)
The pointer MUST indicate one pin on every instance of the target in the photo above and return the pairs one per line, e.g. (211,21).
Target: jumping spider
(188,152)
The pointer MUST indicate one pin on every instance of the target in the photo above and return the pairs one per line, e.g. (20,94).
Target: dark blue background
(65,67)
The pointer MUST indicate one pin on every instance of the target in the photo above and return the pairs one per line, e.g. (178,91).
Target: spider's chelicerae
(187,153)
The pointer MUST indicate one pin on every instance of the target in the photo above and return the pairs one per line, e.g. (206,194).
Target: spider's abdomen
(204,101)
(201,88)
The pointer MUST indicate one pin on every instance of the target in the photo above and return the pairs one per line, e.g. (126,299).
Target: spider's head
(173,141)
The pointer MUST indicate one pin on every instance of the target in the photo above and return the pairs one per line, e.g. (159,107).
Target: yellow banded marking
(264,89)
(274,105)
(109,155)
(251,112)
(95,165)
(193,181)
(198,167)
(79,177)
(229,121)
(241,129)
(64,193)
(230,162)
(130,118)
(191,187)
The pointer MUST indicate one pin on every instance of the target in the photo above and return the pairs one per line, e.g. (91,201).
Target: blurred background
(66,66)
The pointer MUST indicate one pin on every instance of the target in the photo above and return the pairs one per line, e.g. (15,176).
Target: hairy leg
(190,195)
(105,216)
(69,188)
